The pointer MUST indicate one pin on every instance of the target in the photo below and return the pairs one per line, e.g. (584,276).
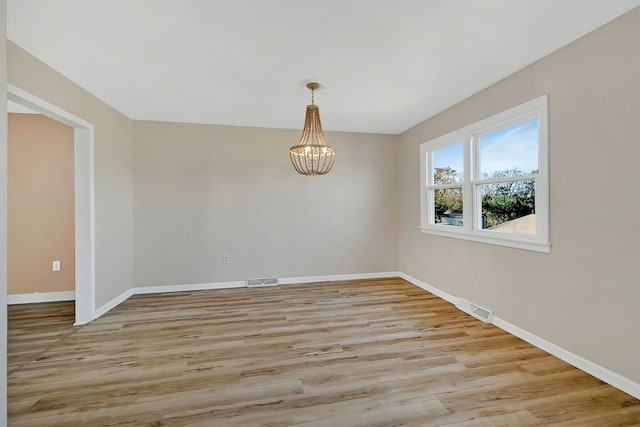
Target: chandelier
(312,156)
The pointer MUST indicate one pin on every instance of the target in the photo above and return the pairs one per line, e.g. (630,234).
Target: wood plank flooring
(356,353)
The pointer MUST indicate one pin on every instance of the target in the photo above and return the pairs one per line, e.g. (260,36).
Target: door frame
(83,150)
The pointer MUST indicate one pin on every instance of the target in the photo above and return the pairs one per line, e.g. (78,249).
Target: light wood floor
(357,353)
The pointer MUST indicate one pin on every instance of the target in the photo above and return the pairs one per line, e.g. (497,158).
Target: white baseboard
(600,372)
(337,277)
(190,287)
(110,305)
(41,297)
(432,289)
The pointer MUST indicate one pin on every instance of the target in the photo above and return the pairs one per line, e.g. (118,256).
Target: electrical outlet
(356,254)
(226,259)
(56,265)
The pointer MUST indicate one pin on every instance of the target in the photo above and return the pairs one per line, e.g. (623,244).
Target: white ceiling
(386,65)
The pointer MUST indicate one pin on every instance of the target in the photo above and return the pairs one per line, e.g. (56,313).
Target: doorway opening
(83,149)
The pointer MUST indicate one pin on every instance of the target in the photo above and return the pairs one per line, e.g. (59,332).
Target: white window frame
(472,201)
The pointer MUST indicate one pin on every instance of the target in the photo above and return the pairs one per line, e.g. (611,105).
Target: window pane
(509,207)
(448,164)
(448,206)
(510,151)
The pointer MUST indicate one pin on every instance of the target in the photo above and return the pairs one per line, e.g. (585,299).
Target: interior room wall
(41,217)
(203,191)
(113,182)
(583,295)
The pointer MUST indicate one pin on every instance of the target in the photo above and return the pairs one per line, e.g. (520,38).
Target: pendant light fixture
(312,156)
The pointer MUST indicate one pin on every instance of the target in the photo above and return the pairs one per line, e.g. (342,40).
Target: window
(488,181)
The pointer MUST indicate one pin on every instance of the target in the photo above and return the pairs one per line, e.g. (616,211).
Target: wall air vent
(259,283)
(475,310)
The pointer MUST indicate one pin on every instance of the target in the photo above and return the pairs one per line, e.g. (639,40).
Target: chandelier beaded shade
(312,156)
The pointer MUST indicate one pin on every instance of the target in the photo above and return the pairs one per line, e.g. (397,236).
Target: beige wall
(40,206)
(584,295)
(112,167)
(202,191)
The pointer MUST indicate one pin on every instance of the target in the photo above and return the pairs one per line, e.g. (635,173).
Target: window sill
(509,241)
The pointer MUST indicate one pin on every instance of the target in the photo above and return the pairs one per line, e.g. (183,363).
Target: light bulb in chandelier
(312,155)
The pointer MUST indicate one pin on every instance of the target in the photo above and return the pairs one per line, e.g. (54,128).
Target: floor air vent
(256,283)
(475,310)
